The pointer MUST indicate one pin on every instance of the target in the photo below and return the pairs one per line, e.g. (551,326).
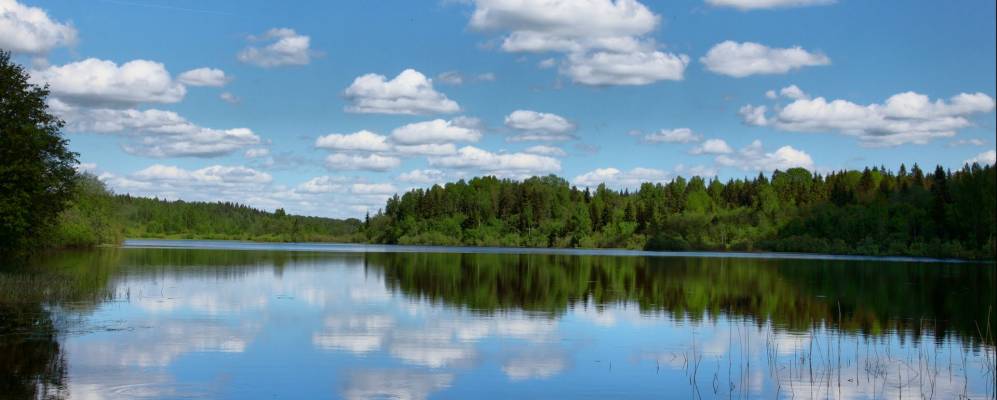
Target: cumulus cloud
(29,30)
(545,150)
(793,92)
(94,82)
(746,5)
(712,146)
(155,133)
(214,183)
(358,141)
(985,158)
(679,135)
(323,184)
(606,41)
(436,131)
(553,25)
(534,125)
(204,77)
(354,162)
(423,176)
(373,188)
(503,164)
(907,117)
(428,149)
(616,178)
(408,93)
(743,59)
(754,158)
(629,68)
(284,47)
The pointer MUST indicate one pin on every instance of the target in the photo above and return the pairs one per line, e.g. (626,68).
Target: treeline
(873,212)
(155,218)
(96,216)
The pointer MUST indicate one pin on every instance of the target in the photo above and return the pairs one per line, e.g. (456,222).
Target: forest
(871,212)
(96,216)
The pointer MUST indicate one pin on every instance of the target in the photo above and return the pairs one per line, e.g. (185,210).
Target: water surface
(233,320)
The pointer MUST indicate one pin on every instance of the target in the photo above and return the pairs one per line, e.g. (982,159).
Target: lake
(235,320)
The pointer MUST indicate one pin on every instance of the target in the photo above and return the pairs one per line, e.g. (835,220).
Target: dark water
(237,321)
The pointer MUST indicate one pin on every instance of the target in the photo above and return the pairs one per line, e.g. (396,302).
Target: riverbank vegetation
(873,212)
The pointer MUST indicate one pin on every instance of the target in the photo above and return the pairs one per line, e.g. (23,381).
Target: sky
(329,108)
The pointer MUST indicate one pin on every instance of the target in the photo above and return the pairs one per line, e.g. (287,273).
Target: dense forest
(96,216)
(875,212)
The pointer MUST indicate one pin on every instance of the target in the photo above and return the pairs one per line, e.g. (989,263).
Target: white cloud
(213,175)
(373,188)
(423,176)
(229,98)
(907,117)
(428,149)
(545,150)
(679,135)
(204,77)
(370,162)
(436,131)
(713,146)
(627,68)
(695,170)
(103,83)
(743,59)
(754,158)
(285,47)
(486,77)
(793,92)
(29,30)
(408,93)
(606,40)
(358,141)
(745,5)
(616,178)
(155,133)
(539,126)
(545,25)
(257,152)
(506,164)
(985,158)
(547,63)
(322,184)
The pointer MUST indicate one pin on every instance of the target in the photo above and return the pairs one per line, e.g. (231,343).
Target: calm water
(169,319)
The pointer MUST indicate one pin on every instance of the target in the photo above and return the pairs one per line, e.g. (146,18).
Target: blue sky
(328,108)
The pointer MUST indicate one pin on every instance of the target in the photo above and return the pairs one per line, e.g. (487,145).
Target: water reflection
(166,323)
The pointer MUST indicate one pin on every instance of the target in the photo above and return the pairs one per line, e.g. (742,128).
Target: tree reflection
(31,362)
(867,297)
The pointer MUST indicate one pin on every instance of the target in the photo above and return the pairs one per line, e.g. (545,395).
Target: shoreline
(339,247)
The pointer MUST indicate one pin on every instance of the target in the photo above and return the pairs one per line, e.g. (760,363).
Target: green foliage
(155,218)
(37,174)
(91,218)
(874,212)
